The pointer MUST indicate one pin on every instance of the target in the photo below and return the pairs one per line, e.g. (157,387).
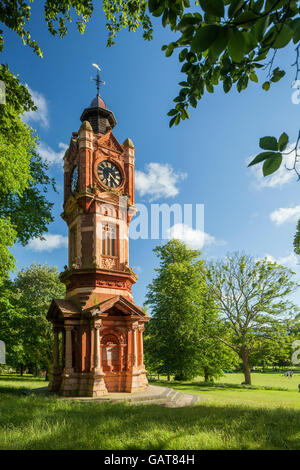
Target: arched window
(110,240)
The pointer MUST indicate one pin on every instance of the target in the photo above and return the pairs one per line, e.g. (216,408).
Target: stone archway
(110,344)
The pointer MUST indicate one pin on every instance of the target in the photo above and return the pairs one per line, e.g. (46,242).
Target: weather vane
(97,79)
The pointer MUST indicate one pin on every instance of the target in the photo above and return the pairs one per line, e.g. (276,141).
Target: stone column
(68,353)
(141,345)
(120,357)
(129,349)
(63,348)
(135,350)
(97,350)
(55,350)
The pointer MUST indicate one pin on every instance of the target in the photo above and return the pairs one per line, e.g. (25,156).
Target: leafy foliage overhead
(225,41)
(16,14)
(218,41)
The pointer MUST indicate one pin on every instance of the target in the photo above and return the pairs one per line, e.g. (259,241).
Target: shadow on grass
(34,422)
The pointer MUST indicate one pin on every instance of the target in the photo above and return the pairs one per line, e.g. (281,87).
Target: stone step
(172,399)
(185,399)
(164,396)
(156,401)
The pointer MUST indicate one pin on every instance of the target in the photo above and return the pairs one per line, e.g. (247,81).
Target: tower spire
(98,79)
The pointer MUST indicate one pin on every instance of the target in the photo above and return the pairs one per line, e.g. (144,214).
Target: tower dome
(100,118)
(98,102)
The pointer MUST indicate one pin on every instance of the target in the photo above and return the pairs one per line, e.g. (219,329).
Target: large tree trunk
(21,370)
(206,375)
(246,366)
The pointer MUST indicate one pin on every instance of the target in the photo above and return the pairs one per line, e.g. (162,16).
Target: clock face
(109,174)
(74,179)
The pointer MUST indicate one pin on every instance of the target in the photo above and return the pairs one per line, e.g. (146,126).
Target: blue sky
(242,210)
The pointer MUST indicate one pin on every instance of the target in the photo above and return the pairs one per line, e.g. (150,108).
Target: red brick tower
(98,329)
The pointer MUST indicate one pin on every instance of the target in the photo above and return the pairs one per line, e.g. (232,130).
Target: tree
(24,304)
(11,324)
(39,284)
(15,15)
(252,297)
(24,209)
(178,334)
(297,239)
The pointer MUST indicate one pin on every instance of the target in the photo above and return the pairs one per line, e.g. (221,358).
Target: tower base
(95,385)
(100,348)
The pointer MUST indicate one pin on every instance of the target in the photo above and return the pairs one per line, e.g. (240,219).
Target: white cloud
(158,181)
(285,214)
(41,115)
(193,237)
(52,157)
(290,260)
(51,242)
(280,177)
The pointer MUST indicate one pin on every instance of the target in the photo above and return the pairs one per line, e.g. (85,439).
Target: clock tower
(98,329)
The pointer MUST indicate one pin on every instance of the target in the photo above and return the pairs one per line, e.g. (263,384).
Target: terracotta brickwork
(98,329)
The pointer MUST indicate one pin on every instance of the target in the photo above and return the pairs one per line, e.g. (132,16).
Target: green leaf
(236,45)
(277,75)
(169,50)
(272,164)
(283,141)
(204,37)
(172,112)
(220,42)
(296,35)
(158,11)
(213,7)
(283,38)
(153,5)
(266,86)
(268,143)
(251,42)
(172,121)
(177,119)
(165,18)
(227,84)
(246,18)
(235,5)
(209,87)
(295,25)
(253,77)
(261,26)
(261,157)
(182,55)
(193,102)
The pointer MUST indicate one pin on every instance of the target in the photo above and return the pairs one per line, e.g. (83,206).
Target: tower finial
(97,79)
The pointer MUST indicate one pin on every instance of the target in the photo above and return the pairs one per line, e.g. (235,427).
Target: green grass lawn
(226,418)
(270,379)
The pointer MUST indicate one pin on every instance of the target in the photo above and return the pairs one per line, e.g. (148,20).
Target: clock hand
(114,179)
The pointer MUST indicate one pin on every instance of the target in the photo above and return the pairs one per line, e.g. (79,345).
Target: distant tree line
(206,318)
